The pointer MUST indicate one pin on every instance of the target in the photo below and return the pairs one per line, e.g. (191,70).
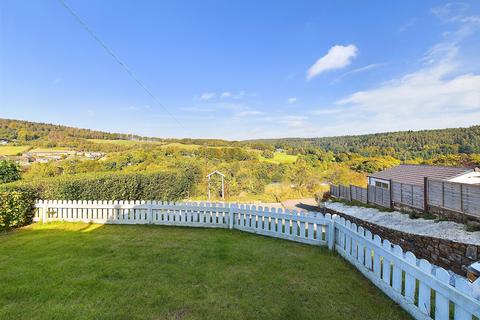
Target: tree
(267,154)
(9,171)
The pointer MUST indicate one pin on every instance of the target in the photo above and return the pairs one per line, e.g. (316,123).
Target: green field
(280,157)
(121,142)
(13,150)
(54,149)
(81,271)
(132,143)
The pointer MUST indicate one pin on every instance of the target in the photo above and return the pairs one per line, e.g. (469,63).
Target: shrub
(16,209)
(473,226)
(9,171)
(153,186)
(268,154)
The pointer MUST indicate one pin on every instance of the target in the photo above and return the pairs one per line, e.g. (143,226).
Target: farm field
(54,149)
(122,142)
(87,271)
(280,157)
(12,150)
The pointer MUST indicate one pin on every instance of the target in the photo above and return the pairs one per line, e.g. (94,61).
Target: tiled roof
(414,174)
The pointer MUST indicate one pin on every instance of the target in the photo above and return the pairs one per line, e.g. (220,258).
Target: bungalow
(415,174)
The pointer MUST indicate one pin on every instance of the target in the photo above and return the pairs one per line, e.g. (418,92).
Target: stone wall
(447,254)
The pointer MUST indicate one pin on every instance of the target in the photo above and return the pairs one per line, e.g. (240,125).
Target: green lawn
(80,271)
(13,150)
(280,157)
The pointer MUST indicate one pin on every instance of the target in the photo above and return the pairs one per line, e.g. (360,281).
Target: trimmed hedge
(16,209)
(167,185)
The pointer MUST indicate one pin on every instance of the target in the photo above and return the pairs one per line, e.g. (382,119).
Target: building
(414,174)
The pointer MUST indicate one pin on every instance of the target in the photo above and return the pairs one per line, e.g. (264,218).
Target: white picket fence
(424,290)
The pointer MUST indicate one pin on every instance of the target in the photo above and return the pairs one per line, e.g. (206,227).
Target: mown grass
(280,157)
(13,150)
(81,271)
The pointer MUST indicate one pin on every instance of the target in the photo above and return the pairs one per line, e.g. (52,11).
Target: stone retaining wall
(447,254)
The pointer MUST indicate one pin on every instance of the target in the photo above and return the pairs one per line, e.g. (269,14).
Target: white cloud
(207,96)
(197,109)
(248,113)
(226,94)
(292,100)
(338,57)
(409,24)
(358,70)
(329,111)
(440,94)
(294,122)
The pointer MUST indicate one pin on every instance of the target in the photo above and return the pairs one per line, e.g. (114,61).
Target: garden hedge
(166,185)
(16,209)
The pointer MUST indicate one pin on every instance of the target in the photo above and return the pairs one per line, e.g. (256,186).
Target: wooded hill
(424,144)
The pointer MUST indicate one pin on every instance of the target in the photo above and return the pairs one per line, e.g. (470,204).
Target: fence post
(44,211)
(331,232)
(350,189)
(425,194)
(230,216)
(149,212)
(461,197)
(390,190)
(443,195)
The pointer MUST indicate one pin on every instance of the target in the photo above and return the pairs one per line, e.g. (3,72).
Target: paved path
(306,204)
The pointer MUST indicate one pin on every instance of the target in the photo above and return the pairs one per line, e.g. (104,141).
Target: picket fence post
(331,232)
(230,216)
(44,211)
(149,212)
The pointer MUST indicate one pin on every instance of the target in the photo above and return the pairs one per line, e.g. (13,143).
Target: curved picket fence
(424,290)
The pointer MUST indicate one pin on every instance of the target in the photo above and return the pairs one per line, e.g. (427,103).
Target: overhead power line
(117,59)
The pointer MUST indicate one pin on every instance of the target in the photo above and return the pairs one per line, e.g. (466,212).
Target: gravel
(401,222)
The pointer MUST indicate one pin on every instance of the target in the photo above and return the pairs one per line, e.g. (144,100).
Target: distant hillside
(424,144)
(26,131)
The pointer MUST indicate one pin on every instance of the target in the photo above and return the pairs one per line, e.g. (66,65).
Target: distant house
(415,175)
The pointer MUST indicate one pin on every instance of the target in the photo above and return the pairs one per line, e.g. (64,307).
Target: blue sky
(243,69)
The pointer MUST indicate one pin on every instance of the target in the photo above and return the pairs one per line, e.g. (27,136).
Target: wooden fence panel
(435,192)
(471,199)
(379,196)
(396,191)
(451,196)
(459,197)
(418,197)
(359,194)
(408,194)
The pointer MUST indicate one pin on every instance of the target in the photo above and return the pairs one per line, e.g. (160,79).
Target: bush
(268,154)
(16,209)
(9,171)
(154,186)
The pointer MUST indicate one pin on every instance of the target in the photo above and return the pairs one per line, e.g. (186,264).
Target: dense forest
(410,144)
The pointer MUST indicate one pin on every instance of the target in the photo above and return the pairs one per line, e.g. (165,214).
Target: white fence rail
(424,290)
